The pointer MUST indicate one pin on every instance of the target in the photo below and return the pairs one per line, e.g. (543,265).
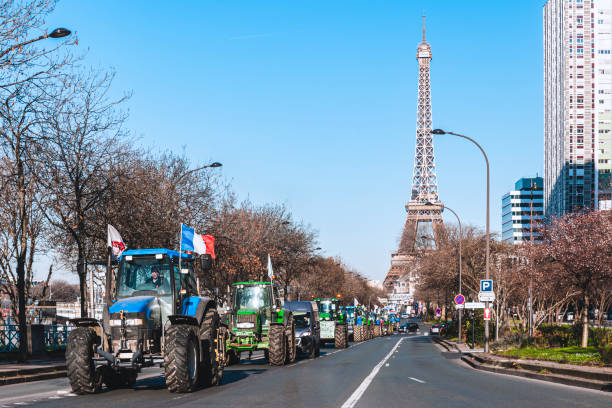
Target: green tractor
(258,322)
(334,327)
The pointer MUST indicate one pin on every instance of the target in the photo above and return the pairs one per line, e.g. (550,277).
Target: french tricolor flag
(197,243)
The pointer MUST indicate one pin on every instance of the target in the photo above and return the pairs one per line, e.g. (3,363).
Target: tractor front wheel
(340,336)
(181,358)
(291,347)
(81,371)
(277,342)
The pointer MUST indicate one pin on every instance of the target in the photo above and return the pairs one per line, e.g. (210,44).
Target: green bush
(606,353)
(511,340)
(566,336)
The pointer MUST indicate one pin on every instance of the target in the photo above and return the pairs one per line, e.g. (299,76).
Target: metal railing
(55,337)
(9,338)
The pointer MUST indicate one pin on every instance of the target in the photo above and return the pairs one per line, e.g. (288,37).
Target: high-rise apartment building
(577,105)
(523,208)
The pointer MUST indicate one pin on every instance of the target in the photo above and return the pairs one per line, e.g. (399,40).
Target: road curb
(23,375)
(601,382)
(473,362)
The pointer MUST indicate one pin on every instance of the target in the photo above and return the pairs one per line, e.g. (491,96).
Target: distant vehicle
(404,315)
(307,327)
(435,329)
(409,327)
(569,316)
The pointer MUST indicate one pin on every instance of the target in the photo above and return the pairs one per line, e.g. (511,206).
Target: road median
(598,378)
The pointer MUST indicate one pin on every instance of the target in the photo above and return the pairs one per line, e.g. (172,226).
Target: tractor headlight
(245,325)
(327,318)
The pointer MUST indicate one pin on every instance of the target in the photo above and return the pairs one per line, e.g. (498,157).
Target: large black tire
(81,371)
(357,333)
(377,331)
(211,366)
(291,346)
(181,358)
(277,342)
(341,336)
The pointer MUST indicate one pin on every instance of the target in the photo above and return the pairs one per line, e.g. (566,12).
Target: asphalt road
(395,371)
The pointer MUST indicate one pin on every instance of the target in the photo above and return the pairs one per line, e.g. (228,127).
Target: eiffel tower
(423,221)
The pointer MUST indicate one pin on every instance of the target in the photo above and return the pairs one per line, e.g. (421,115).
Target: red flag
(209,240)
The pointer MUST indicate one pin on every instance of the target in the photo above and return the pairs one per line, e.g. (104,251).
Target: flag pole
(180,246)
(270,274)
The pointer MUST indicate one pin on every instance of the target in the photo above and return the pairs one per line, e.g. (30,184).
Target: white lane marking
(387,365)
(60,392)
(354,398)
(417,380)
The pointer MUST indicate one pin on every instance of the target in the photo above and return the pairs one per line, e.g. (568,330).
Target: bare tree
(81,136)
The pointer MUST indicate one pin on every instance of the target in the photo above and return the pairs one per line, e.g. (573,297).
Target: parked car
(307,327)
(409,327)
(435,329)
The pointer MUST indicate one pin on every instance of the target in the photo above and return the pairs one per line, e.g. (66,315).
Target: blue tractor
(153,316)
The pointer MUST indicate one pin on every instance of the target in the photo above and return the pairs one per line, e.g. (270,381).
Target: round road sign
(459,299)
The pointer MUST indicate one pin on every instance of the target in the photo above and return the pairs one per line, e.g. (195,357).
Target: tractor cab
(329,309)
(252,303)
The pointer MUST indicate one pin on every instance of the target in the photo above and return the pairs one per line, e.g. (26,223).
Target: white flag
(270,271)
(115,242)
(356,302)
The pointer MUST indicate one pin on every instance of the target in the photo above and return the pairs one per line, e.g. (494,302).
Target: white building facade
(577,105)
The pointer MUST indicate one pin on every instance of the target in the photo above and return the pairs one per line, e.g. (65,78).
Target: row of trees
(570,268)
(68,168)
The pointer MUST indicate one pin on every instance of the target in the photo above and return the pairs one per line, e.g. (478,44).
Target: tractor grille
(247,318)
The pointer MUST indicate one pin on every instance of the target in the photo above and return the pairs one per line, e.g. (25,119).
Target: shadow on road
(237,374)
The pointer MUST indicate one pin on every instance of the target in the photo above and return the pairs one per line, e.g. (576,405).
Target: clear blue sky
(313,103)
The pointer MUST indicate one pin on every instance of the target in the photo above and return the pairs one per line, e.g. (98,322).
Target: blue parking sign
(486,285)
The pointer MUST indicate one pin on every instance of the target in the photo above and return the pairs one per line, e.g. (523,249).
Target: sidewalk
(598,378)
(31,370)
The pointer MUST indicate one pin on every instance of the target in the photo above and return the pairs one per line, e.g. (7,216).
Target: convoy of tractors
(155,316)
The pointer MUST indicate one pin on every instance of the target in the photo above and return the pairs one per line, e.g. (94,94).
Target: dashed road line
(417,380)
(356,395)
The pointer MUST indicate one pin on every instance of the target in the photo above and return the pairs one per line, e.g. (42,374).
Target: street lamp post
(57,33)
(442,132)
(460,259)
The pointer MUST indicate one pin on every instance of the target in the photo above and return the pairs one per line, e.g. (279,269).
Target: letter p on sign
(486,285)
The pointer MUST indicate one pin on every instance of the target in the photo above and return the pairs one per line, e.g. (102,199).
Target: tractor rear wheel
(277,344)
(181,358)
(211,367)
(291,347)
(377,331)
(340,336)
(82,373)
(356,333)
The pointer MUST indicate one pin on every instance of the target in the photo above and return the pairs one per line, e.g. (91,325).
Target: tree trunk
(585,322)
(82,283)
(23,328)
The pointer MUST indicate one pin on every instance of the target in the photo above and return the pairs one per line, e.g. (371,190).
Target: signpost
(487,313)
(486,297)
(459,299)
(438,312)
(471,305)
(486,285)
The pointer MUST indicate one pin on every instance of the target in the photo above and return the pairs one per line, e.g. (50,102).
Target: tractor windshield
(252,297)
(327,306)
(144,274)
(350,313)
